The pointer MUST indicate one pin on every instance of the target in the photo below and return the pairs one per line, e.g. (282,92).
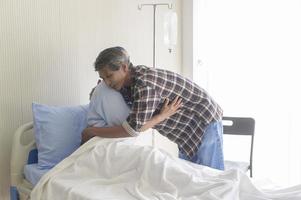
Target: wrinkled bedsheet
(119,169)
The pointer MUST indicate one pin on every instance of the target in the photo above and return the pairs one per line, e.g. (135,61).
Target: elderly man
(193,119)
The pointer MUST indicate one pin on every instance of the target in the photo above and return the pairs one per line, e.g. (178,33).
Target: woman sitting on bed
(107,108)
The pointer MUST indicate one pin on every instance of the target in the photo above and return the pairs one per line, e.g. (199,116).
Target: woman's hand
(170,109)
(167,110)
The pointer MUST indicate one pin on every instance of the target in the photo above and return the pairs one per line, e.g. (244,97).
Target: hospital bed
(185,178)
(23,152)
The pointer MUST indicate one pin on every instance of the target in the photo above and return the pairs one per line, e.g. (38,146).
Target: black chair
(241,126)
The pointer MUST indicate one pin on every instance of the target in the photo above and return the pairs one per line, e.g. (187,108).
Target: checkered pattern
(146,97)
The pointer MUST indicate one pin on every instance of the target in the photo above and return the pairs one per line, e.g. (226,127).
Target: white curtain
(247,54)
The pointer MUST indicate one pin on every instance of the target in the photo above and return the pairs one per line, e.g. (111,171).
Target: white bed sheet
(118,169)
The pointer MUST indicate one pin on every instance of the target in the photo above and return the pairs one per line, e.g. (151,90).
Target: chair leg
(251,172)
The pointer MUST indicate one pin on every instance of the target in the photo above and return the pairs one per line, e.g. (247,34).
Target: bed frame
(23,152)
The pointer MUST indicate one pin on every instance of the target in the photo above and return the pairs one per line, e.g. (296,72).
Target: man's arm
(104,132)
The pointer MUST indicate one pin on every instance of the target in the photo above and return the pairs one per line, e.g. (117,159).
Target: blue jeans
(210,151)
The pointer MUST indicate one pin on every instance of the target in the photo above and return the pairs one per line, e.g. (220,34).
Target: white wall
(48,48)
(187,38)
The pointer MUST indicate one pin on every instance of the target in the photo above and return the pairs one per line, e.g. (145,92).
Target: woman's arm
(118,131)
(167,111)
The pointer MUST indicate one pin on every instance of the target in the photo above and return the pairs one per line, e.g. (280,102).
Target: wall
(48,48)
(187,38)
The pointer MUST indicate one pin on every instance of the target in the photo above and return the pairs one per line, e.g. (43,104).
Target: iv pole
(154,40)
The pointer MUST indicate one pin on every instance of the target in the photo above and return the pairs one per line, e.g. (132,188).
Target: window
(247,55)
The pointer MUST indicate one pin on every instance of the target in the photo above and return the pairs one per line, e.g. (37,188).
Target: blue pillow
(57,131)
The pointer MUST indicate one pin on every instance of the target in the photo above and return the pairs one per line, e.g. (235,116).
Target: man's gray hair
(112,58)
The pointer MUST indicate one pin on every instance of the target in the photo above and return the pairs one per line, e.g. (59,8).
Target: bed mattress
(33,174)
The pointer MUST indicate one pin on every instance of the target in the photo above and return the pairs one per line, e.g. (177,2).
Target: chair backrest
(241,126)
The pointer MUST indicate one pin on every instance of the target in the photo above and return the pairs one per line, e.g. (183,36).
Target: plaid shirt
(146,98)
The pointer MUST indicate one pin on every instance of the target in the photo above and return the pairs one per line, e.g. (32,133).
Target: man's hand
(104,132)
(87,134)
